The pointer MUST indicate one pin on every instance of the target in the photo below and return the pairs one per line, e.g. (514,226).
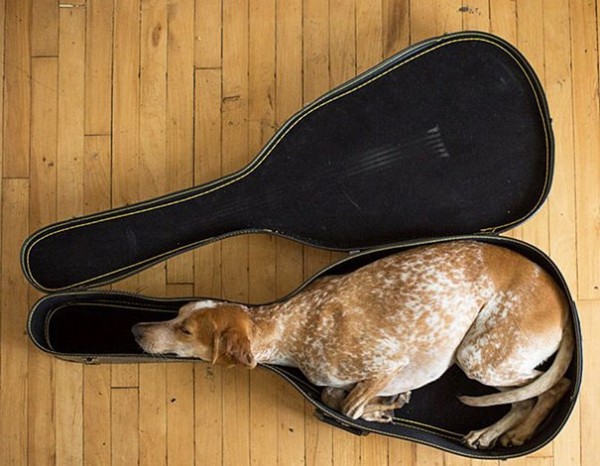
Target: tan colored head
(209,330)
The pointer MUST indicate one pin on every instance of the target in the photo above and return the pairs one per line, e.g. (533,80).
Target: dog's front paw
(384,417)
(481,439)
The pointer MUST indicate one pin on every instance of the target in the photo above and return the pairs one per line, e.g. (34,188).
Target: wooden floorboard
(108,102)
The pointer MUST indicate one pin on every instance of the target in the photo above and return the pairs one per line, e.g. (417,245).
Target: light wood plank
(13,340)
(96,379)
(152,414)
(126,102)
(503,19)
(44,28)
(96,178)
(402,453)
(584,66)
(395,26)
(430,19)
(480,462)
(41,438)
(539,461)
(589,400)
(44,94)
(476,15)
(369,34)
(180,414)
(69,377)
(98,66)
(153,99)
(428,456)
(71,79)
(342,41)
(124,426)
(346,447)
(2,94)
(455,460)
(315,49)
(208,34)
(374,450)
(42,210)
(96,415)
(208,416)
(68,406)
(17,89)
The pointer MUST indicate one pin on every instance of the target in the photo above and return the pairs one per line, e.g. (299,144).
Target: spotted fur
(393,326)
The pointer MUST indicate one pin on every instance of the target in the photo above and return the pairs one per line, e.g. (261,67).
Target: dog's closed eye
(185,330)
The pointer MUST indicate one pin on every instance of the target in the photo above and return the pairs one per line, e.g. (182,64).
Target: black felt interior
(81,324)
(449,138)
(100,328)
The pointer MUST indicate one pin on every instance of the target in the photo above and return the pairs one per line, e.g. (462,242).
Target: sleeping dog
(397,324)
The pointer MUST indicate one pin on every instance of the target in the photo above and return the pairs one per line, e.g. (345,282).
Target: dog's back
(411,308)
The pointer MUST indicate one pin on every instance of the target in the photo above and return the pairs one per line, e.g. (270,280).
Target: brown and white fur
(397,324)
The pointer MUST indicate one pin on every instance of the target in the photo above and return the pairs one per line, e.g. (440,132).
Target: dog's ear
(237,347)
(232,347)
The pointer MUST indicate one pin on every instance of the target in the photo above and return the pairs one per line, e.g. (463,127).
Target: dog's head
(212,331)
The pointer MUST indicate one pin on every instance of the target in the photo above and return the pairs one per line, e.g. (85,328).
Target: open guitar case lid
(449,139)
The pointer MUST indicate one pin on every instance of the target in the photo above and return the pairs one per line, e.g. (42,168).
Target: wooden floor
(109,102)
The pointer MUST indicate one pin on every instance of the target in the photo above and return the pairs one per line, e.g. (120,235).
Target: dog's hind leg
(522,432)
(487,437)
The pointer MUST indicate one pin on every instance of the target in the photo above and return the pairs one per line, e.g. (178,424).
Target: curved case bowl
(95,327)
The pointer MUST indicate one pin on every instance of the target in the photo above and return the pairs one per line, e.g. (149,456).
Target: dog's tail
(540,385)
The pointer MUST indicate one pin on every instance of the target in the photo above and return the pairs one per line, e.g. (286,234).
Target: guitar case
(448,140)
